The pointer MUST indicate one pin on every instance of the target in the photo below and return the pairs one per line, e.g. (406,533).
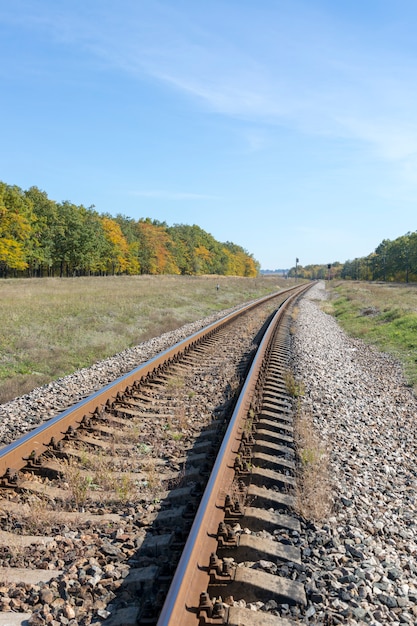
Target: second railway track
(98,515)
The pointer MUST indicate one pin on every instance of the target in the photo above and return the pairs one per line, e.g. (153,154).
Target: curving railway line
(165,498)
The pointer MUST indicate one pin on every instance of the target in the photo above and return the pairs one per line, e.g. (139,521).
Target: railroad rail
(257,450)
(128,417)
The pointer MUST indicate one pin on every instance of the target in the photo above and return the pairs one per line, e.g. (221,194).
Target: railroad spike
(219,608)
(205,606)
(215,565)
(222,530)
(238,464)
(10,478)
(32,459)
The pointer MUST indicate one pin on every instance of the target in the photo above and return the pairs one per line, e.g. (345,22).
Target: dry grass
(12,551)
(153,480)
(294,316)
(313,492)
(99,472)
(39,518)
(313,489)
(294,387)
(52,326)
(79,483)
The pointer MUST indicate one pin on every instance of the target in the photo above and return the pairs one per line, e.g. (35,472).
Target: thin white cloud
(394,141)
(297,67)
(322,87)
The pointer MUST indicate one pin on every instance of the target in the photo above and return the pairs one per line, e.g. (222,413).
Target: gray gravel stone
(366,415)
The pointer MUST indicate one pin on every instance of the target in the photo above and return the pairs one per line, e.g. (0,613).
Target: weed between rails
(78,482)
(153,480)
(39,518)
(98,473)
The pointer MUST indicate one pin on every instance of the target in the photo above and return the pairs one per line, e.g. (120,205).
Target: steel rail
(192,574)
(16,455)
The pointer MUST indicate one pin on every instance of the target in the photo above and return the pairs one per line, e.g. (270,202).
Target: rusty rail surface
(28,448)
(192,576)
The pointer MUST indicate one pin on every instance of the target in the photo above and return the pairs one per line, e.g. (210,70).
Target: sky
(288,127)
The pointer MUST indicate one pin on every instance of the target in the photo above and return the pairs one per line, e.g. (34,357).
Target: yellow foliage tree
(118,249)
(202,259)
(251,269)
(155,255)
(133,265)
(15,228)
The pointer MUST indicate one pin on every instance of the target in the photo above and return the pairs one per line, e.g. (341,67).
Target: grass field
(51,327)
(384,315)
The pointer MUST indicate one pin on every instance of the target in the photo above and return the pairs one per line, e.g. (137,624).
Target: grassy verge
(383,315)
(51,327)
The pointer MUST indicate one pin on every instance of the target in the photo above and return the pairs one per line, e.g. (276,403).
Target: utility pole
(296,269)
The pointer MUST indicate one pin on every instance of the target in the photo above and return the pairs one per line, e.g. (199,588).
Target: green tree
(80,244)
(196,251)
(46,213)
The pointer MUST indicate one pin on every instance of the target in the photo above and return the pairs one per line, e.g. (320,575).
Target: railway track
(97,504)
(244,514)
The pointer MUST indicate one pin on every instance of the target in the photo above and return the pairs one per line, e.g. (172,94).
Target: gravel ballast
(360,564)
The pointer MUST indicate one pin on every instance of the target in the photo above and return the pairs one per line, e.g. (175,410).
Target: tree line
(41,237)
(392,261)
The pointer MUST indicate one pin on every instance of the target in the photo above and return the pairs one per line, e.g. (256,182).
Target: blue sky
(286,126)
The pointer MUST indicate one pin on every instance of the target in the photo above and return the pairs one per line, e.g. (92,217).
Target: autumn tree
(116,259)
(155,250)
(16,225)
(128,228)
(240,262)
